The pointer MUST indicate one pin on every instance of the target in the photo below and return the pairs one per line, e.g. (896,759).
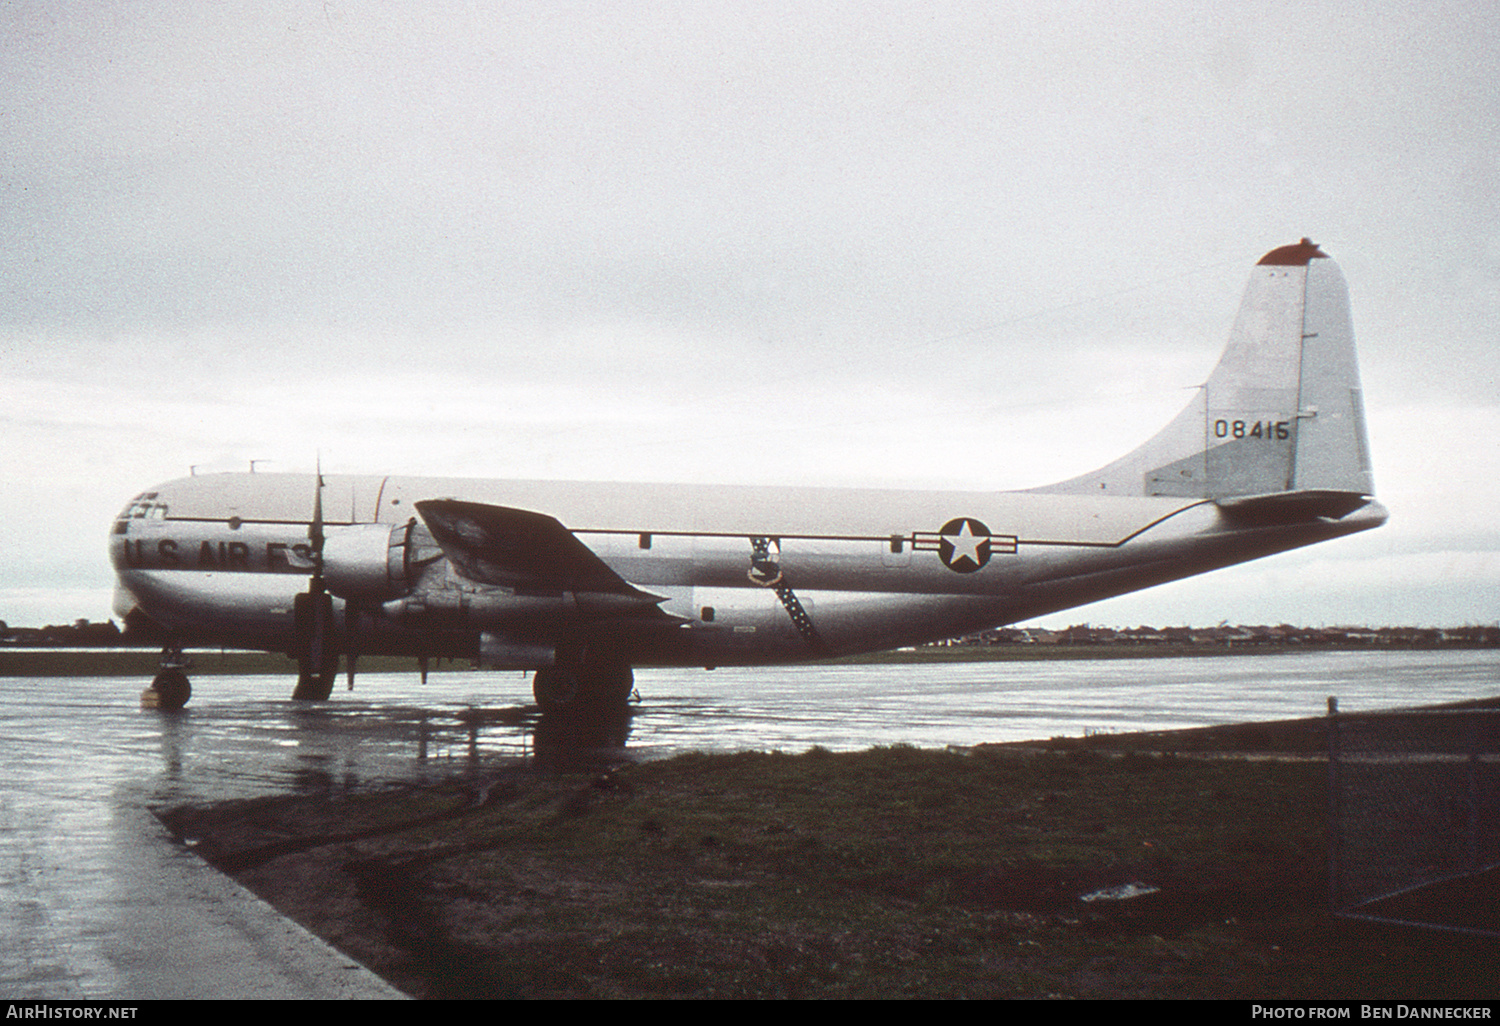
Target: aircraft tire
(608,685)
(314,687)
(173,689)
(554,688)
(599,688)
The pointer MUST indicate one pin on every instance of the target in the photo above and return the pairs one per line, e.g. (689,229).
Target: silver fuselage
(218,559)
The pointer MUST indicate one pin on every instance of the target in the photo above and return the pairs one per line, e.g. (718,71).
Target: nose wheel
(170,688)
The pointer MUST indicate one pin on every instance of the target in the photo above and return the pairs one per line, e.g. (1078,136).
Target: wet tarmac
(97,901)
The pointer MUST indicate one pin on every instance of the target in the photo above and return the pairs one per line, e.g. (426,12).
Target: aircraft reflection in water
(581,582)
(249,747)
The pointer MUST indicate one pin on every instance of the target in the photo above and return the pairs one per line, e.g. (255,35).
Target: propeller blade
(315,614)
(315,535)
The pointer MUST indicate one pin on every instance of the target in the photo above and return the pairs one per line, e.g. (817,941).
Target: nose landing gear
(170,689)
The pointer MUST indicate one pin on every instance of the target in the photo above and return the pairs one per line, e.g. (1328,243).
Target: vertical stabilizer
(1281,412)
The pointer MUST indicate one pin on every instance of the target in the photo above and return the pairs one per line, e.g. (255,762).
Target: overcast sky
(976,245)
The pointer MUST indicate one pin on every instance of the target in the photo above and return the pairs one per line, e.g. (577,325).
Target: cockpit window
(144,507)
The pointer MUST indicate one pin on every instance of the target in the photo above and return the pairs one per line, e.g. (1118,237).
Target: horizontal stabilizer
(516,548)
(1293,507)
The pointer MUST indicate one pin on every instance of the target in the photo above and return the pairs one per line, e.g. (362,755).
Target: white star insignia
(965,544)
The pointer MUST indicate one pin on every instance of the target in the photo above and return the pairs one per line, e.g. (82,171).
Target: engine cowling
(374,563)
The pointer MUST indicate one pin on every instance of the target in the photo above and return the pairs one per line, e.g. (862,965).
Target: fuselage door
(895,551)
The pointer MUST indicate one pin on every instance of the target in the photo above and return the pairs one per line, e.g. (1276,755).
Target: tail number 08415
(1279,430)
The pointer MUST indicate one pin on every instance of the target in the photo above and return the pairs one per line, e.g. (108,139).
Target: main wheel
(609,684)
(555,688)
(594,689)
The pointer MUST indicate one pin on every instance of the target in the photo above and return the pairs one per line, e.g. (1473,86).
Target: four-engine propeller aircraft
(582,582)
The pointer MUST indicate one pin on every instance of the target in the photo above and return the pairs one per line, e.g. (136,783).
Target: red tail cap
(1293,256)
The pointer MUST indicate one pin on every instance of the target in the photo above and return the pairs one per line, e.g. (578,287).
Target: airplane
(580,583)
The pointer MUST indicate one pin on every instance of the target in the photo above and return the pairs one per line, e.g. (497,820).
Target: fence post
(1335,853)
(1472,739)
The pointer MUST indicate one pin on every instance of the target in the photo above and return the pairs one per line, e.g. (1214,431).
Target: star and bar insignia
(964,544)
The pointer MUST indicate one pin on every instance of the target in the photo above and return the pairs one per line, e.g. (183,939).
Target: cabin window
(896,543)
(707,613)
(644,540)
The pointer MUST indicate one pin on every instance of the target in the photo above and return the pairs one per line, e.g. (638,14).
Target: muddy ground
(1098,868)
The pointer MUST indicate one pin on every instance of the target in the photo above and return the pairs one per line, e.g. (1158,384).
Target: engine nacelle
(376,562)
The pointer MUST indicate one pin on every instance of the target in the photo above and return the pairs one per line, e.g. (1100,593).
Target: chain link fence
(1414,817)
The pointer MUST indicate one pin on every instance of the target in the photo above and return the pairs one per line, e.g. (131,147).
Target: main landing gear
(585,707)
(591,689)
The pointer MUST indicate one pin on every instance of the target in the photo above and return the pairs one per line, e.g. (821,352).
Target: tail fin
(1282,411)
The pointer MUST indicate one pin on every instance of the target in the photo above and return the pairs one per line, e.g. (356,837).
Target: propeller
(314,613)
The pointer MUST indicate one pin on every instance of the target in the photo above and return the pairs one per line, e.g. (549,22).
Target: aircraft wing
(516,548)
